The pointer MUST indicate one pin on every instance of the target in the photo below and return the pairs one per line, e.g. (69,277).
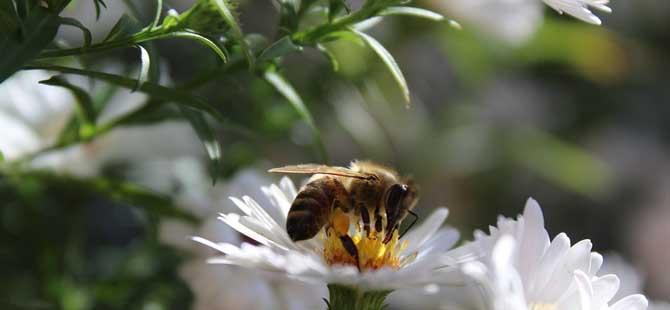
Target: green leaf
(335,7)
(98,4)
(85,109)
(155,90)
(230,19)
(157,15)
(2,157)
(208,137)
(138,38)
(134,195)
(75,23)
(145,64)
(560,162)
(38,30)
(124,27)
(412,11)
(154,72)
(342,35)
(9,19)
(286,90)
(388,60)
(368,23)
(331,58)
(198,38)
(280,48)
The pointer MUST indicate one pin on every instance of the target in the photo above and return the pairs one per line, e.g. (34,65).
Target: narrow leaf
(280,48)
(230,19)
(126,192)
(39,29)
(388,60)
(155,90)
(208,137)
(139,39)
(331,58)
(123,28)
(286,90)
(412,11)
(75,23)
(198,38)
(335,7)
(157,15)
(98,4)
(145,64)
(368,23)
(85,109)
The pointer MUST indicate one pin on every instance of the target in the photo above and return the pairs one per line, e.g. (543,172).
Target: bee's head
(400,198)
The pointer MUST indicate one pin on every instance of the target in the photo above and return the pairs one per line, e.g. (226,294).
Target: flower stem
(344,297)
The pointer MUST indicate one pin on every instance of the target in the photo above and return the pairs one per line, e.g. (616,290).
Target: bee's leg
(351,248)
(365,217)
(378,220)
(416,217)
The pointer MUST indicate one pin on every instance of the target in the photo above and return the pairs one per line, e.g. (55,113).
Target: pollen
(370,253)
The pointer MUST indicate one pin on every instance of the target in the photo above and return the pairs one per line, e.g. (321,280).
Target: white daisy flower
(522,269)
(408,262)
(580,8)
(218,286)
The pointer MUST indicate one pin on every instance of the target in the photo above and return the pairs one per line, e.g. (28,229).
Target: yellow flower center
(371,251)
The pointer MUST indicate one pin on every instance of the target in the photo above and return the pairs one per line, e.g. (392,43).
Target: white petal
(288,188)
(631,302)
(550,260)
(577,257)
(442,241)
(242,225)
(585,289)
(279,200)
(605,288)
(416,237)
(534,242)
(596,263)
(503,252)
(217,246)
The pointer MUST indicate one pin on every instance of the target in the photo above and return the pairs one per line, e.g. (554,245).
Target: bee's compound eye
(395,194)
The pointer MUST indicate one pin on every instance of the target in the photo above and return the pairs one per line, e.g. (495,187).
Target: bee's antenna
(416,218)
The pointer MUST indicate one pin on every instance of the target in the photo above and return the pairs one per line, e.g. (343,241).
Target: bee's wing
(322,169)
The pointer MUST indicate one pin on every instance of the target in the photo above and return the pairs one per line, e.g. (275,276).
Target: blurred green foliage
(303,86)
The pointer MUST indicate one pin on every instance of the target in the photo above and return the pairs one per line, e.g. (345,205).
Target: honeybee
(377,197)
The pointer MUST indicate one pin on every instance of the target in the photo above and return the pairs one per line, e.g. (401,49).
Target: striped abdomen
(311,209)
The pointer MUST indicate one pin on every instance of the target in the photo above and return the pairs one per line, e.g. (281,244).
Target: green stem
(311,36)
(106,46)
(344,297)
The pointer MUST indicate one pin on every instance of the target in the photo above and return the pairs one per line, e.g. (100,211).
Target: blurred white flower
(31,114)
(580,8)
(515,21)
(511,21)
(522,269)
(417,255)
(632,282)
